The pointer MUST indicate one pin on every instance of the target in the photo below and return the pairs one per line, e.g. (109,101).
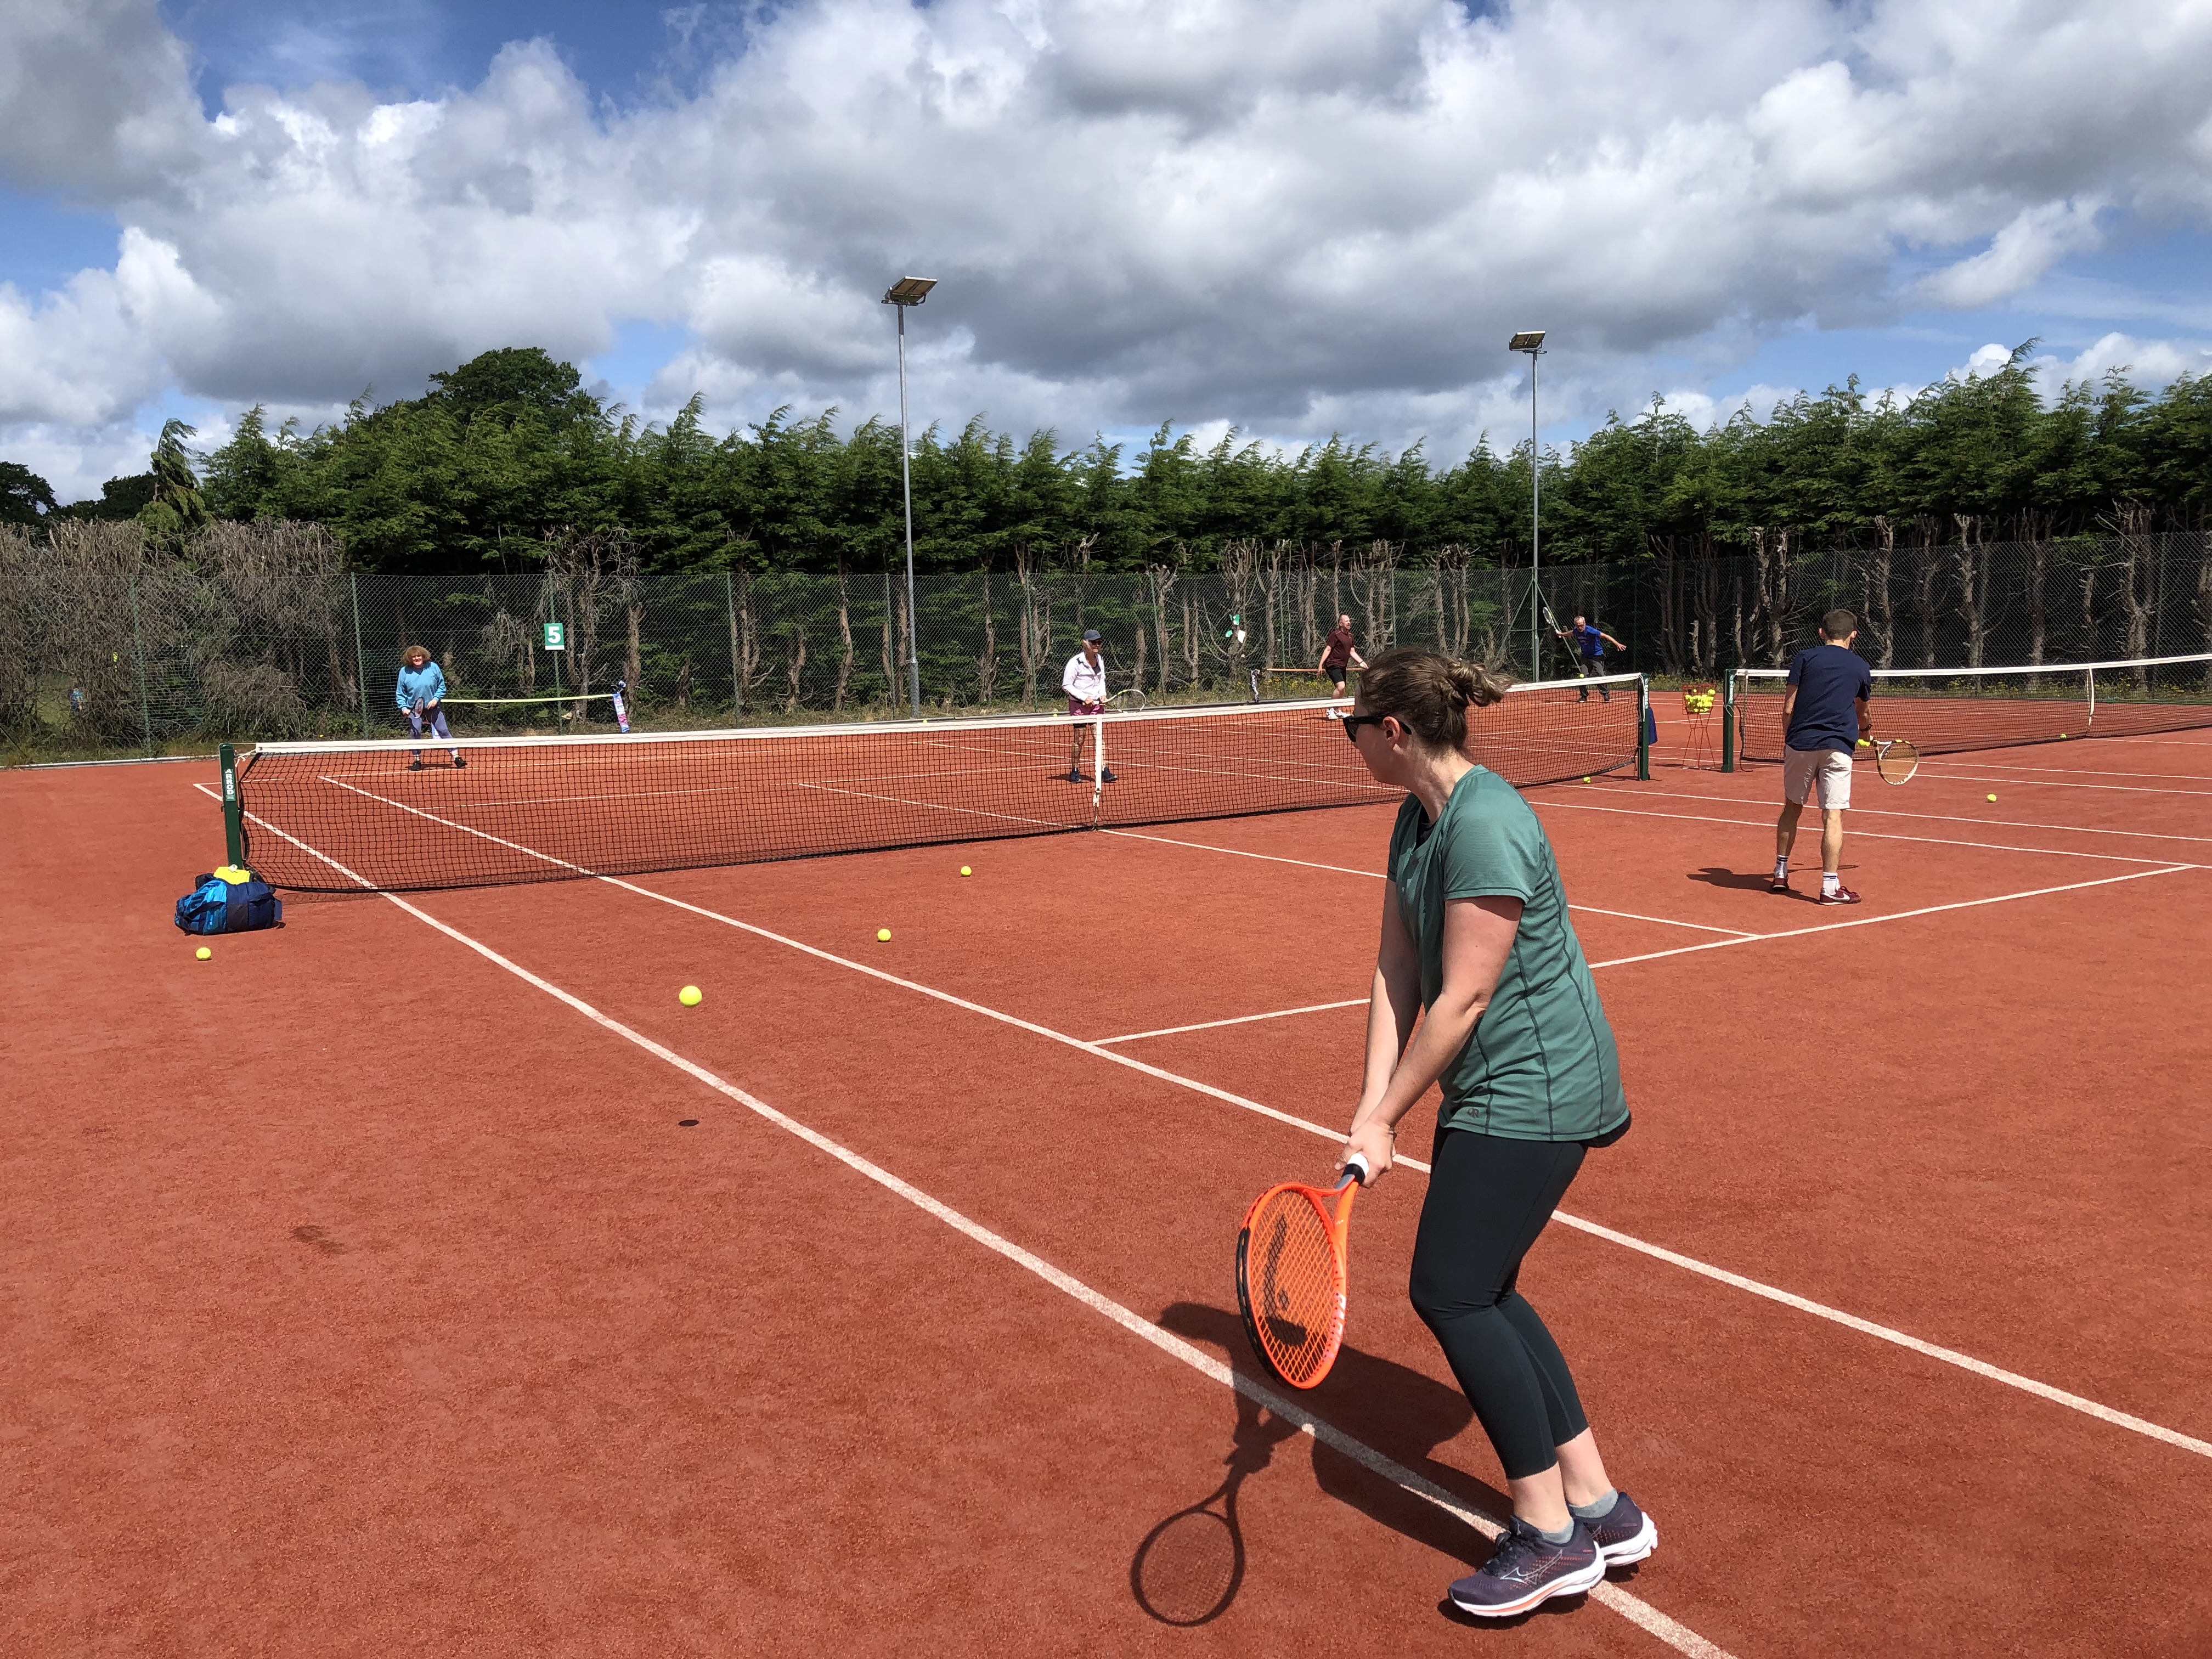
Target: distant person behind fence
(422,696)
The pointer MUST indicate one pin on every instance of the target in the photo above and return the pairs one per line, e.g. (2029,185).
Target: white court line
(2084,771)
(1895,915)
(1981,1367)
(1868,834)
(1629,1605)
(2043,1390)
(1241,1019)
(1939,771)
(1376,875)
(1641,792)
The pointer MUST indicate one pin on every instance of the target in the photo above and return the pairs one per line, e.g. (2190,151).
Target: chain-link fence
(105,647)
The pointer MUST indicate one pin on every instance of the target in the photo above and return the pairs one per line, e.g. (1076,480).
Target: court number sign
(556,636)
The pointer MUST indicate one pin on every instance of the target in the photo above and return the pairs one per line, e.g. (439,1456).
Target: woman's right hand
(1373,1141)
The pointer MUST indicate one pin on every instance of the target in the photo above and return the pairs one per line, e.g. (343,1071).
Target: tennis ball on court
(203,953)
(1585,779)
(882,935)
(691,996)
(1992,796)
(965,871)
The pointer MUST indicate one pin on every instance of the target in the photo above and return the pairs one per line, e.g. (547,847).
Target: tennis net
(340,817)
(1950,710)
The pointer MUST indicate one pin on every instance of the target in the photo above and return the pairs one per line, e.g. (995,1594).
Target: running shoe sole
(1632,1549)
(1577,1583)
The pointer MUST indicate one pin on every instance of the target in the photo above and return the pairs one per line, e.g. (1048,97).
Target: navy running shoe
(1527,1569)
(1625,1532)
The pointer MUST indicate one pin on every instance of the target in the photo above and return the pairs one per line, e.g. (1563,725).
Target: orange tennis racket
(1292,1275)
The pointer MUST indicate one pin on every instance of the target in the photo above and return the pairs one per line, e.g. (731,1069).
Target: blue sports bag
(216,906)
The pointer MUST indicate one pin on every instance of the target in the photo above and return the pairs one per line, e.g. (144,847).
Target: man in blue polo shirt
(1588,641)
(1824,714)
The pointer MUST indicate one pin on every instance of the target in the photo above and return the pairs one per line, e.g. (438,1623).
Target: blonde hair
(1430,694)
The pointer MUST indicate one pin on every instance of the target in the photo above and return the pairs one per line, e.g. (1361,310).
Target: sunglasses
(1351,723)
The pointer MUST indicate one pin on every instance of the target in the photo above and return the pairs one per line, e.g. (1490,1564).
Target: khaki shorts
(1832,767)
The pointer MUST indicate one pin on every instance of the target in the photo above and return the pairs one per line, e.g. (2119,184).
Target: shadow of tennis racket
(1189,1567)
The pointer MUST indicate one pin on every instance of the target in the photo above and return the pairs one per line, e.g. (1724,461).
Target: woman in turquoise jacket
(422,696)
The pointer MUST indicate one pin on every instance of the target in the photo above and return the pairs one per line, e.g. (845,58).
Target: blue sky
(1289,218)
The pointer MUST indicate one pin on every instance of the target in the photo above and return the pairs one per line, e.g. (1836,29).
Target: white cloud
(1288,215)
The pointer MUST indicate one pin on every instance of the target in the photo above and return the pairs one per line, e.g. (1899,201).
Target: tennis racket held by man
(1895,758)
(1293,1276)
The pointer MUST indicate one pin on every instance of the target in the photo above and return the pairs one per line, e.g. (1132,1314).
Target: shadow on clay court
(1400,1412)
(1755,881)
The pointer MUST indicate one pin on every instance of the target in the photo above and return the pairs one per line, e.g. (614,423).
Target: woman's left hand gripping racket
(1292,1275)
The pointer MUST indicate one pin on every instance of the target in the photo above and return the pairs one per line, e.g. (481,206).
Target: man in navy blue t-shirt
(1824,714)
(1588,641)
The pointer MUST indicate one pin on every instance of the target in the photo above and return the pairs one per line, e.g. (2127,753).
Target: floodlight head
(1527,340)
(909,290)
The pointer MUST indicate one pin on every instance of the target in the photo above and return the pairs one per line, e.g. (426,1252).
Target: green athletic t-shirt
(1541,1064)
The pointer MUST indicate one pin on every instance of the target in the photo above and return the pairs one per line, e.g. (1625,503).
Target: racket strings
(1296,1286)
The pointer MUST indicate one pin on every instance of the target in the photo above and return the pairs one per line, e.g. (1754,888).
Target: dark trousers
(1488,1198)
(1592,668)
(436,717)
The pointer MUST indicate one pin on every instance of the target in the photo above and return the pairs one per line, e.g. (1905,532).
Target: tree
(178,508)
(506,383)
(24,497)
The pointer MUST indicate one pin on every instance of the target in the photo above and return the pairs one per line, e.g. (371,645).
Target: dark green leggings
(1488,1198)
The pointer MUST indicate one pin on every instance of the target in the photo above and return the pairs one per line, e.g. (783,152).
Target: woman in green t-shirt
(1475,932)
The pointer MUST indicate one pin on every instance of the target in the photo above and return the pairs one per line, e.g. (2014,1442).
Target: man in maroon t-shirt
(1338,658)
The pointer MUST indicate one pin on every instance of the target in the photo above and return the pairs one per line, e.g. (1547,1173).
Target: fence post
(360,657)
(234,817)
(138,662)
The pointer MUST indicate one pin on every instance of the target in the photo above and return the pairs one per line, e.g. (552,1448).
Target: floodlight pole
(906,489)
(1532,342)
(907,292)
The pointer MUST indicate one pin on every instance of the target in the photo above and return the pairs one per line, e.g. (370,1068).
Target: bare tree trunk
(1881,610)
(891,676)
(1671,639)
(1161,580)
(1926,565)
(1973,577)
(746,654)
(794,665)
(987,664)
(844,637)
(2133,521)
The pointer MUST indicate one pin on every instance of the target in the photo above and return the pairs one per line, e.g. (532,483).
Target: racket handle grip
(1355,1169)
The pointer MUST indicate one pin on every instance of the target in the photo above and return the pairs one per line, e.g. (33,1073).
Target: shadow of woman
(1396,1409)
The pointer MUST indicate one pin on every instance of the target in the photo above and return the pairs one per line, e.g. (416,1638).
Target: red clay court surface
(366,1296)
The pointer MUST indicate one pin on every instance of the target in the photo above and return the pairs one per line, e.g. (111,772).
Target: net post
(2090,674)
(1643,728)
(1727,724)
(234,812)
